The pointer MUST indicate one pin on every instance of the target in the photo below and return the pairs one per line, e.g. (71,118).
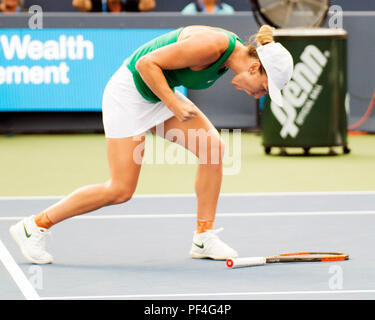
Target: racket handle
(246,262)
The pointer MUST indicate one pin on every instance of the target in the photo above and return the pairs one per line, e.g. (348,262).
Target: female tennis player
(140,96)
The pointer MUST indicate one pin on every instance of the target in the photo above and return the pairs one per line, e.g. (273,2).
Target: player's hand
(185,111)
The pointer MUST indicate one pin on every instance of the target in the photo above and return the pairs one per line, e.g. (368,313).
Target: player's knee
(122,197)
(213,153)
(119,194)
(221,149)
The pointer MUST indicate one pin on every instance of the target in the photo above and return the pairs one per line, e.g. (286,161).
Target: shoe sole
(13,233)
(196,255)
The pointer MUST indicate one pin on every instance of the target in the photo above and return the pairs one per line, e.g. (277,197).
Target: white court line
(191,195)
(261,194)
(16,273)
(212,294)
(192,215)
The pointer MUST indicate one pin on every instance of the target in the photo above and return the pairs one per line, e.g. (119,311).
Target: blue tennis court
(139,250)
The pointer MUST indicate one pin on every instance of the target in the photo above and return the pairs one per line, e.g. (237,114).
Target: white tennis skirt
(125,112)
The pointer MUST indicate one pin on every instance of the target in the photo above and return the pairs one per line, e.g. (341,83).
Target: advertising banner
(63,69)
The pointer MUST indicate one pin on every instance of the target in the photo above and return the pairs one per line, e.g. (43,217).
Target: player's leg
(124,173)
(201,138)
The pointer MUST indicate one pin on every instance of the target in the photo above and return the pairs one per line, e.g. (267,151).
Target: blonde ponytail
(265,35)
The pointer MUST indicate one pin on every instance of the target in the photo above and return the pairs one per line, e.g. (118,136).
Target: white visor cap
(278,63)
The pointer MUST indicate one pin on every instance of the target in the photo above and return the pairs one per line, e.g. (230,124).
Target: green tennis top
(195,80)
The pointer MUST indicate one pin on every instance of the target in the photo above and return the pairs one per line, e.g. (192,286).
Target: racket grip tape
(245,262)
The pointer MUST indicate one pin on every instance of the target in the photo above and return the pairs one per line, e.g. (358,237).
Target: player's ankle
(43,221)
(204,225)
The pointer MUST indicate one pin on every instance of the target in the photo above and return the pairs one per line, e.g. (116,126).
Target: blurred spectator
(114,5)
(208,6)
(11,6)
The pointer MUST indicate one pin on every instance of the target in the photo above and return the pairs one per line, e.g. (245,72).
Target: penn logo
(301,92)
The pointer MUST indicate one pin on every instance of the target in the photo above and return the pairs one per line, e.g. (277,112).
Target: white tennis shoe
(31,240)
(208,245)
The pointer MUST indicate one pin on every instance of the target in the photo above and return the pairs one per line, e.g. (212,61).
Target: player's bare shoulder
(205,34)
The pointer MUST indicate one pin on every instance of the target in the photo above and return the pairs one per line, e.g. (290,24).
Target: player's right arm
(198,50)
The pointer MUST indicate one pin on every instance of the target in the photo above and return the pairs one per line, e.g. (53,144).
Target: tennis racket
(287,257)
